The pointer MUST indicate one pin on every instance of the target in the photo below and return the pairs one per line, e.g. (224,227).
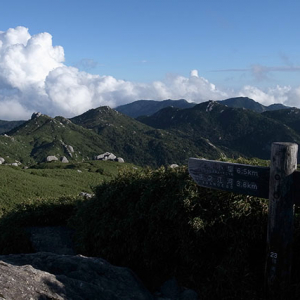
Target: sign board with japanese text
(237,178)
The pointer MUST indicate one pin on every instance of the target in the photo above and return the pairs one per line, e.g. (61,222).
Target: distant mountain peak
(103,108)
(211,104)
(149,107)
(248,103)
(208,106)
(35,115)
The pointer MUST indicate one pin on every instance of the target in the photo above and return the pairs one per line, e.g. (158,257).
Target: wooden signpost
(278,184)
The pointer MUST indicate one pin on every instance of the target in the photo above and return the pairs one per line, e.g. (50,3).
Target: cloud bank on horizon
(33,77)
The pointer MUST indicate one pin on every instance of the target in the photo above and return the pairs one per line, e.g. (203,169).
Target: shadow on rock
(47,275)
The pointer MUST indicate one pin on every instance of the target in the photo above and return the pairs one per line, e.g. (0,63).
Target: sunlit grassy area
(52,180)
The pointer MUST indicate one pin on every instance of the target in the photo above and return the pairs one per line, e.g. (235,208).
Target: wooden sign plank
(237,178)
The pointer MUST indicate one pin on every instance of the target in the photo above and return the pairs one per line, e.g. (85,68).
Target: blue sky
(232,44)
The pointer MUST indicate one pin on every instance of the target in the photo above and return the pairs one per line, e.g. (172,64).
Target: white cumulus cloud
(33,77)
(277,94)
(194,73)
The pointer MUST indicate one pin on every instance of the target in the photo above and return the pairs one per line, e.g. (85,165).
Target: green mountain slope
(95,132)
(245,102)
(142,144)
(169,136)
(289,117)
(234,130)
(42,136)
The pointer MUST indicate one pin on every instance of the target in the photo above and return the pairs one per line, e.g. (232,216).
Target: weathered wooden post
(280,220)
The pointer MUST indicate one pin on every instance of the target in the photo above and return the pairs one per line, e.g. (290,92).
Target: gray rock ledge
(46,275)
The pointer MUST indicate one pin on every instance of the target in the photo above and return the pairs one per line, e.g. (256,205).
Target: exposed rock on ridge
(46,275)
(51,158)
(35,115)
(109,156)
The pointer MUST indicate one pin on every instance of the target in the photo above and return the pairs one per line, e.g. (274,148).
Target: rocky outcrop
(85,195)
(109,156)
(119,159)
(35,115)
(46,275)
(51,158)
(64,160)
(2,160)
(55,272)
(70,148)
(106,156)
(15,164)
(173,166)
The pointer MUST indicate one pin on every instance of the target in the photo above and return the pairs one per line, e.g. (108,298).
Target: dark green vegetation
(245,102)
(161,224)
(38,212)
(139,143)
(167,226)
(234,131)
(289,117)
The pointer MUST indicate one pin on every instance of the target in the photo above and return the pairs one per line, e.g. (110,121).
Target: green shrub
(161,224)
(40,212)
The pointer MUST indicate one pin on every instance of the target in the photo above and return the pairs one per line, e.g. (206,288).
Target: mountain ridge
(241,130)
(135,139)
(149,107)
(248,103)
(171,135)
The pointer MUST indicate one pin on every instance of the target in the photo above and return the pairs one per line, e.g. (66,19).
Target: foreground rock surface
(46,275)
(54,272)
